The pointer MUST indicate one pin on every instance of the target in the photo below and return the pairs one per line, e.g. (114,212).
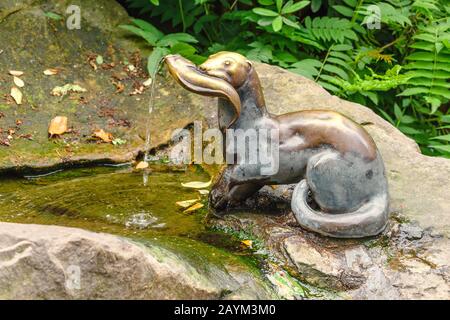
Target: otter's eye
(227,62)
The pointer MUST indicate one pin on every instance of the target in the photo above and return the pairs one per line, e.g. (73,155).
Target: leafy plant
(391,55)
(162,44)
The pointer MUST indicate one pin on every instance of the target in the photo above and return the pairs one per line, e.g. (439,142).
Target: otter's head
(219,76)
(229,66)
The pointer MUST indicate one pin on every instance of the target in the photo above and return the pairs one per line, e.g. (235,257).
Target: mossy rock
(36,42)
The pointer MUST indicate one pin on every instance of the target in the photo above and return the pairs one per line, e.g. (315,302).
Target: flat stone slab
(405,262)
(32,43)
(50,262)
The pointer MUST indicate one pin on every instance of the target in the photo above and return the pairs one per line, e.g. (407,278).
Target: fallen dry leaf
(15,73)
(147,82)
(17,95)
(67,88)
(57,126)
(103,135)
(142,165)
(197,184)
(51,72)
(18,82)
(203,192)
(247,243)
(186,203)
(193,208)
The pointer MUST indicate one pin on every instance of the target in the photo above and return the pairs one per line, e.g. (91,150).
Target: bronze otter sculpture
(333,159)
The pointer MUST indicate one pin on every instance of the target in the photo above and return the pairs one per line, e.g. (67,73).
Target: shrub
(391,55)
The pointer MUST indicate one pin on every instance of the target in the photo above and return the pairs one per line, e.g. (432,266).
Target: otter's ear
(249,64)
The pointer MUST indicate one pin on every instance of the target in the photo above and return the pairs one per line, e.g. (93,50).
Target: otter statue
(341,186)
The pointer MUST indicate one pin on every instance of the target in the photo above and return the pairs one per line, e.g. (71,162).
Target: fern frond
(429,68)
(334,30)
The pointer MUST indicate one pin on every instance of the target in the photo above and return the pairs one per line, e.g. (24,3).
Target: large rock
(405,262)
(409,261)
(49,262)
(32,42)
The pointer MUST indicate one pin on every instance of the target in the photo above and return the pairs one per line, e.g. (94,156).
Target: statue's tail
(369,220)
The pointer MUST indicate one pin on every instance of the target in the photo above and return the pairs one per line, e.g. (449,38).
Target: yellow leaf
(197,184)
(186,203)
(15,73)
(17,95)
(247,243)
(203,192)
(103,135)
(142,165)
(67,88)
(57,126)
(51,72)
(147,82)
(193,208)
(18,82)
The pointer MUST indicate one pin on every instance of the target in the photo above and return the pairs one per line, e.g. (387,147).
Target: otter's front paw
(218,200)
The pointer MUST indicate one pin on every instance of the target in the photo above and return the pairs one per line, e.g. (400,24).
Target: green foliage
(163,44)
(391,55)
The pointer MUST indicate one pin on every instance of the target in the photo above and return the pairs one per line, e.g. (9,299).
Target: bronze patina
(342,187)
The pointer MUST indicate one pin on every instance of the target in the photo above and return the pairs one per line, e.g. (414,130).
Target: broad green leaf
(291,23)
(331,68)
(183,49)
(342,47)
(265,2)
(265,12)
(409,130)
(339,62)
(345,11)
(328,86)
(435,103)
(445,137)
(445,148)
(174,38)
(413,91)
(307,62)
(154,60)
(277,23)
(295,7)
(279,4)
(351,3)
(266,21)
(398,112)
(386,116)
(315,5)
(150,38)
(147,26)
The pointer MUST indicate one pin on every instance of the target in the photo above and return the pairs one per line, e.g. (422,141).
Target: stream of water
(151,103)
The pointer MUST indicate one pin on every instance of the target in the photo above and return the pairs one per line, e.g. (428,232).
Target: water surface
(106,199)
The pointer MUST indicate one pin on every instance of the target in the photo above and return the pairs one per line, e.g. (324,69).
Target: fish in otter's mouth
(196,80)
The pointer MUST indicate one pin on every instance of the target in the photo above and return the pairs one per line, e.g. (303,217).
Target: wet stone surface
(116,99)
(404,262)
(409,260)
